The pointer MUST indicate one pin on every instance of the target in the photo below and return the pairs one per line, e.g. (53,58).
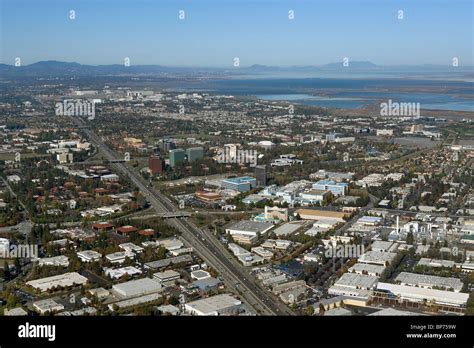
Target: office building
(60,260)
(177,156)
(242,184)
(166,276)
(194,153)
(261,175)
(337,189)
(47,305)
(156,164)
(89,255)
(276,213)
(166,145)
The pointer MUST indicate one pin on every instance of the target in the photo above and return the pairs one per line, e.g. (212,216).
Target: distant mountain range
(65,69)
(56,68)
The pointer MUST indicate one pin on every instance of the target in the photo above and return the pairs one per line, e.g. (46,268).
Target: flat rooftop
(200,274)
(213,304)
(393,312)
(169,261)
(137,300)
(250,226)
(322,213)
(435,263)
(137,287)
(62,280)
(375,256)
(166,274)
(420,294)
(89,254)
(355,280)
(424,280)
(47,304)
(381,245)
(366,267)
(289,228)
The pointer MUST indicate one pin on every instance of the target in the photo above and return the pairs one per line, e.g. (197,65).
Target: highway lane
(246,280)
(206,245)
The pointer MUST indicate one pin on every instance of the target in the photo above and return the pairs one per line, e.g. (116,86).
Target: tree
(6,270)
(410,239)
(173,300)
(11,301)
(470,304)
(321,309)
(310,310)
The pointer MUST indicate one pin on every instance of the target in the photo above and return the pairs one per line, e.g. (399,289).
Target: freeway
(204,243)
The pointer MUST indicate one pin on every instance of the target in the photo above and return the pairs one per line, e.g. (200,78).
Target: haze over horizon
(253,65)
(258,32)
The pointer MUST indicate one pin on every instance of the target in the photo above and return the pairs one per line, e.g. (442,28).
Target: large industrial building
(62,280)
(365,268)
(248,228)
(214,305)
(422,295)
(376,257)
(429,281)
(137,287)
(315,214)
(354,284)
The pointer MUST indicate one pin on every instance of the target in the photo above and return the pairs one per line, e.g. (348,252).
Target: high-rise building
(194,153)
(261,175)
(176,156)
(166,145)
(156,164)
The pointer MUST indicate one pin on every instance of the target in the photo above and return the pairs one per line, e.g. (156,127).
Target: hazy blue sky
(257,31)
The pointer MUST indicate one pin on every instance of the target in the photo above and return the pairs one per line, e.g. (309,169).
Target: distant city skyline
(213,33)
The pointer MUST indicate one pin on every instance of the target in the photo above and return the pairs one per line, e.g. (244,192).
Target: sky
(214,32)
